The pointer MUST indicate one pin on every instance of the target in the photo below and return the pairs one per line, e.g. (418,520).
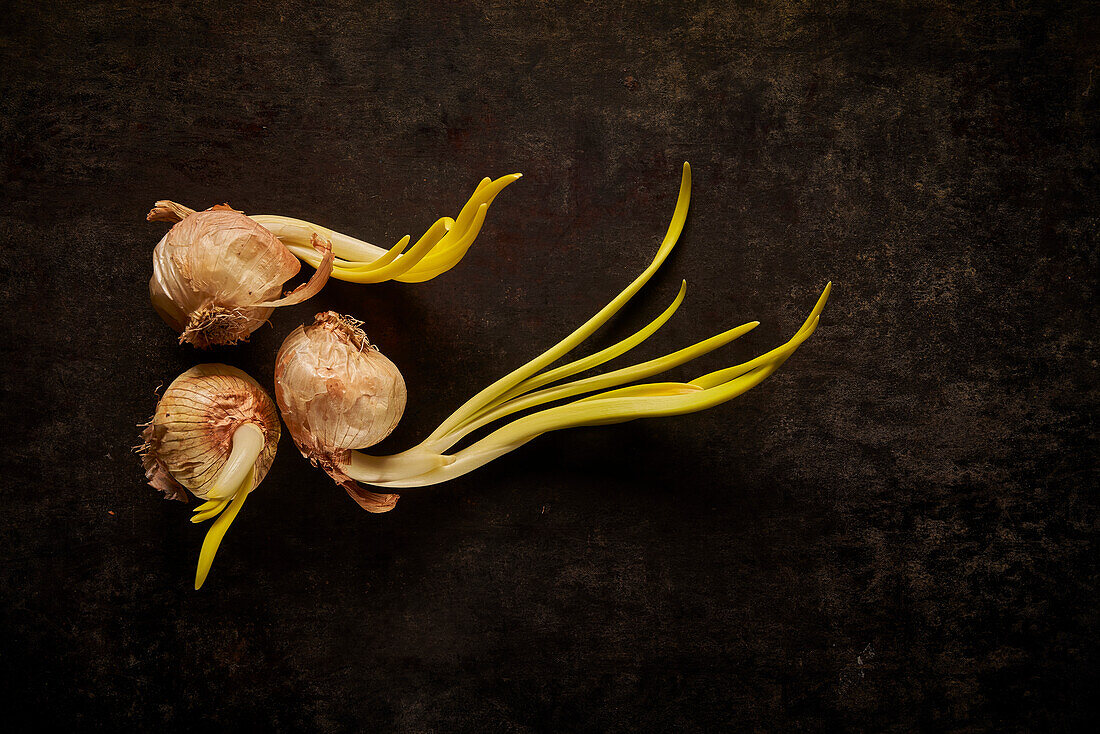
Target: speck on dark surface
(896,532)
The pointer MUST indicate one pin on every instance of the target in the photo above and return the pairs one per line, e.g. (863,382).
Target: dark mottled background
(895,532)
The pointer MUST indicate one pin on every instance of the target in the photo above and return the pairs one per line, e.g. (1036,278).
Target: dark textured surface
(895,532)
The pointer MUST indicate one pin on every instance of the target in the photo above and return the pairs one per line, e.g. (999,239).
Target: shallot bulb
(217,274)
(340,393)
(213,434)
(334,392)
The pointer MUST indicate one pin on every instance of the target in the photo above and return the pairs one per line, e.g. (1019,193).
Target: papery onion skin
(337,392)
(211,273)
(190,435)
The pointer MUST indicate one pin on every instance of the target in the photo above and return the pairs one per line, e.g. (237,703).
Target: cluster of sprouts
(215,430)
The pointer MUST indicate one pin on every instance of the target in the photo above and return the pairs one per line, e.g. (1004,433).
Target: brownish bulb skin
(217,274)
(190,435)
(337,392)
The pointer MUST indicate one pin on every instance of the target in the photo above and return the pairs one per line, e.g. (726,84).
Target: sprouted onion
(217,274)
(344,394)
(213,434)
(330,383)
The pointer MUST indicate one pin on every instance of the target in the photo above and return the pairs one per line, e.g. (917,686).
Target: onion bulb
(214,435)
(344,393)
(333,391)
(217,274)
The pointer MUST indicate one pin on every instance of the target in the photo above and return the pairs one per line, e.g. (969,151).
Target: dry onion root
(325,400)
(217,274)
(213,434)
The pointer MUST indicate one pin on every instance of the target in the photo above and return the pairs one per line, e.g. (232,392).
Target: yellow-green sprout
(440,248)
(303,391)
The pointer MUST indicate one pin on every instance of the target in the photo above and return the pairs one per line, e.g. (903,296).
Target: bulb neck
(345,327)
(248,444)
(380,469)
